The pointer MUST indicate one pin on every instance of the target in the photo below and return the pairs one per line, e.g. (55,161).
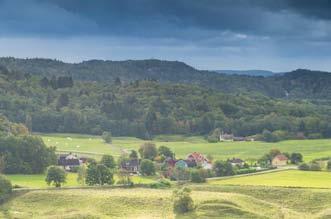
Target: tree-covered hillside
(297,84)
(145,108)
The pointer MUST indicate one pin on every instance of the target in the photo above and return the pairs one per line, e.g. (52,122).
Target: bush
(107,137)
(56,176)
(147,167)
(296,158)
(163,183)
(328,166)
(315,167)
(5,188)
(183,202)
(198,176)
(148,151)
(245,171)
(223,168)
(304,167)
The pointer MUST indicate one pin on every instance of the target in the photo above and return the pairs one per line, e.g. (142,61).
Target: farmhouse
(279,160)
(226,137)
(199,159)
(69,162)
(237,162)
(131,166)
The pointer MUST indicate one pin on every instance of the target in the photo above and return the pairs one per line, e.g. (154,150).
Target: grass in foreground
(211,202)
(288,178)
(181,145)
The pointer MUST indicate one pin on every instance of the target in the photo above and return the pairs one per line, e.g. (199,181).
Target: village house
(199,159)
(226,137)
(69,161)
(279,160)
(131,166)
(237,162)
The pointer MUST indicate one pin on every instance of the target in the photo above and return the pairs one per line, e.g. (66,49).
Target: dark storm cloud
(191,19)
(179,29)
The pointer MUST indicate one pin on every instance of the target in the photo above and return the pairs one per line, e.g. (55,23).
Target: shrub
(5,188)
(245,171)
(56,176)
(182,201)
(304,166)
(198,176)
(223,168)
(163,183)
(328,166)
(107,137)
(147,167)
(315,167)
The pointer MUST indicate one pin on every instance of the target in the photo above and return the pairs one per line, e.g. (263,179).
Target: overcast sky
(274,35)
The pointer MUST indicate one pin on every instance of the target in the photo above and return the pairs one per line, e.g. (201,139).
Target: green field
(211,202)
(288,178)
(38,180)
(94,146)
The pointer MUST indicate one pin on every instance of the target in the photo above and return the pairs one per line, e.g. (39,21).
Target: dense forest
(297,84)
(144,108)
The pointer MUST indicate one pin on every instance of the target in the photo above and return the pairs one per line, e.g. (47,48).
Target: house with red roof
(279,160)
(199,159)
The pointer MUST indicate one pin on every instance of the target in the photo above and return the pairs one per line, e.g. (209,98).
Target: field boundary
(252,174)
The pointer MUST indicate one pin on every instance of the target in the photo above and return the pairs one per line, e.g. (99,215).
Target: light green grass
(288,178)
(38,180)
(210,202)
(181,145)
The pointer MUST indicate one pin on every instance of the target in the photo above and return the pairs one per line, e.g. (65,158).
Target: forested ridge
(144,108)
(293,85)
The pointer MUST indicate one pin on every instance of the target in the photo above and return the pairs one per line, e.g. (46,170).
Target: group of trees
(147,108)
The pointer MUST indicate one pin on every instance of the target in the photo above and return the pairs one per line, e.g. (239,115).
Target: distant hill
(263,73)
(302,84)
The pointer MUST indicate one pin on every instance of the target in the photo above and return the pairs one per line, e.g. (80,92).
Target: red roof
(281,157)
(197,157)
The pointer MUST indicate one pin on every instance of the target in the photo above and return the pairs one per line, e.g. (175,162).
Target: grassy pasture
(210,201)
(181,145)
(288,178)
(38,180)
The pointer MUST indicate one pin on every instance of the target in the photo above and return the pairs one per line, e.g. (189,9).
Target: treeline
(303,84)
(20,152)
(147,108)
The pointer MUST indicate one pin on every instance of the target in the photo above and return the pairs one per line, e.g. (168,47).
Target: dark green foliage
(296,158)
(223,168)
(148,151)
(198,176)
(133,154)
(5,188)
(107,137)
(146,108)
(328,165)
(108,161)
(183,202)
(165,151)
(304,166)
(98,174)
(314,166)
(27,154)
(56,176)
(147,167)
